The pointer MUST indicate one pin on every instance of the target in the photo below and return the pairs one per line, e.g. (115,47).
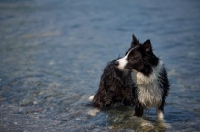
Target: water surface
(53,53)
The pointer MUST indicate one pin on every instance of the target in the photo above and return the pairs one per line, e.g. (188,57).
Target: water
(53,53)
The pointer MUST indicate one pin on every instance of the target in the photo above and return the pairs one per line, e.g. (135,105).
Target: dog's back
(115,86)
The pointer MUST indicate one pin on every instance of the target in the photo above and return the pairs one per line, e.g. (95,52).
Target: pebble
(35,102)
(15,123)
(25,102)
(41,93)
(78,119)
(93,112)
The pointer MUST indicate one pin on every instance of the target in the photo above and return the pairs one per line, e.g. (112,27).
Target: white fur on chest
(149,93)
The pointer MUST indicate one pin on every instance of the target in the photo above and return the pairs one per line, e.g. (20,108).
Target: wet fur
(115,86)
(149,74)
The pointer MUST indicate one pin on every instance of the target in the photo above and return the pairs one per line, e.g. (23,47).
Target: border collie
(116,86)
(149,74)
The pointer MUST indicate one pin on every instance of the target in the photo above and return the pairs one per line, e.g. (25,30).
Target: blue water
(52,53)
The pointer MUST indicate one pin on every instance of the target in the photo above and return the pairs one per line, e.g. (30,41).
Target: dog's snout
(116,63)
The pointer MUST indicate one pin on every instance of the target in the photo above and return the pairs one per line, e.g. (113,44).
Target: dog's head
(139,57)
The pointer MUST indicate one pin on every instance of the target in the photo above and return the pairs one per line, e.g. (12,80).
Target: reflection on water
(53,53)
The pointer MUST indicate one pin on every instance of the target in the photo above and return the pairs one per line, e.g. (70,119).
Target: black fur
(115,86)
(142,59)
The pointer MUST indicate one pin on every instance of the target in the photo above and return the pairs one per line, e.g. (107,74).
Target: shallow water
(53,53)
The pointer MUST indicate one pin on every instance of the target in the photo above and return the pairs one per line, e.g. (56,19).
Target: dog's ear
(147,46)
(134,41)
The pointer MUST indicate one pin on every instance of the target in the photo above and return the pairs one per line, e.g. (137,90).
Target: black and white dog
(149,74)
(116,86)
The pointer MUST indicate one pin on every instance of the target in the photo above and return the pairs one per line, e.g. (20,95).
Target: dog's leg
(139,110)
(160,112)
(110,99)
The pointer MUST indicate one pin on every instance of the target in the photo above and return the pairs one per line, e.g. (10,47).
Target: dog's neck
(140,78)
(149,93)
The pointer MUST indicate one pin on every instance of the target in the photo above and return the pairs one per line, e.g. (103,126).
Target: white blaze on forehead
(123,61)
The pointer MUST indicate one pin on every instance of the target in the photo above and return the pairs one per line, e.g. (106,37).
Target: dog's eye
(134,57)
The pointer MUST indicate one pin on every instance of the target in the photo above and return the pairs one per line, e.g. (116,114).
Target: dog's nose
(116,63)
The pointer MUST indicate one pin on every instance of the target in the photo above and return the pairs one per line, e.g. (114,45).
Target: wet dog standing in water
(149,74)
(141,66)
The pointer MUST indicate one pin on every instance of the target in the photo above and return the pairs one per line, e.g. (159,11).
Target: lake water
(53,53)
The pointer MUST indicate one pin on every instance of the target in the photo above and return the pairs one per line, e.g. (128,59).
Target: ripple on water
(52,57)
